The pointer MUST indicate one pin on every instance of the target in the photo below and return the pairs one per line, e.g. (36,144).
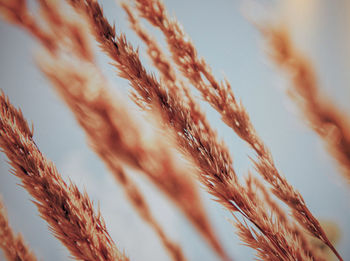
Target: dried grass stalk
(194,135)
(130,67)
(72,40)
(331,124)
(68,212)
(221,97)
(13,246)
(92,102)
(116,136)
(167,73)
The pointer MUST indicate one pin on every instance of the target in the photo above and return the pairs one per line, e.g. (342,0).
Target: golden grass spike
(195,137)
(221,97)
(70,37)
(68,212)
(164,66)
(83,89)
(131,68)
(117,137)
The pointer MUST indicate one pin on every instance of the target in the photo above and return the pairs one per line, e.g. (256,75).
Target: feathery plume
(323,116)
(221,97)
(13,246)
(116,137)
(68,212)
(168,74)
(130,67)
(245,205)
(72,39)
(196,139)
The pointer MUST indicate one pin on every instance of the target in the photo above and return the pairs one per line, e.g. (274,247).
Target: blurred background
(223,33)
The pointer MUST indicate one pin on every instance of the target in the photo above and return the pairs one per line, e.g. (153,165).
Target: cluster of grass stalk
(269,214)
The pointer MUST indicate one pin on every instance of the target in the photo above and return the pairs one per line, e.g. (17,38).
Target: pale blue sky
(233,47)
